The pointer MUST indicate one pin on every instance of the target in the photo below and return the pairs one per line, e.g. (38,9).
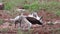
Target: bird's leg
(16,24)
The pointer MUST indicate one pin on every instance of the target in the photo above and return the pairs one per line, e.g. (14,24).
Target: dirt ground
(44,29)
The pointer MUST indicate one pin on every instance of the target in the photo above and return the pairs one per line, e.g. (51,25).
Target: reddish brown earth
(44,29)
(48,16)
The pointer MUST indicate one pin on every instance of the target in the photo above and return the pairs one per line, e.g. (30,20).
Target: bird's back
(33,20)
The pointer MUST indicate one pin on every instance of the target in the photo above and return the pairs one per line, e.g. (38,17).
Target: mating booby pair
(27,20)
(33,19)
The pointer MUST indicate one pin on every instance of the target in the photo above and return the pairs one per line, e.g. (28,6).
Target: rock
(1,6)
